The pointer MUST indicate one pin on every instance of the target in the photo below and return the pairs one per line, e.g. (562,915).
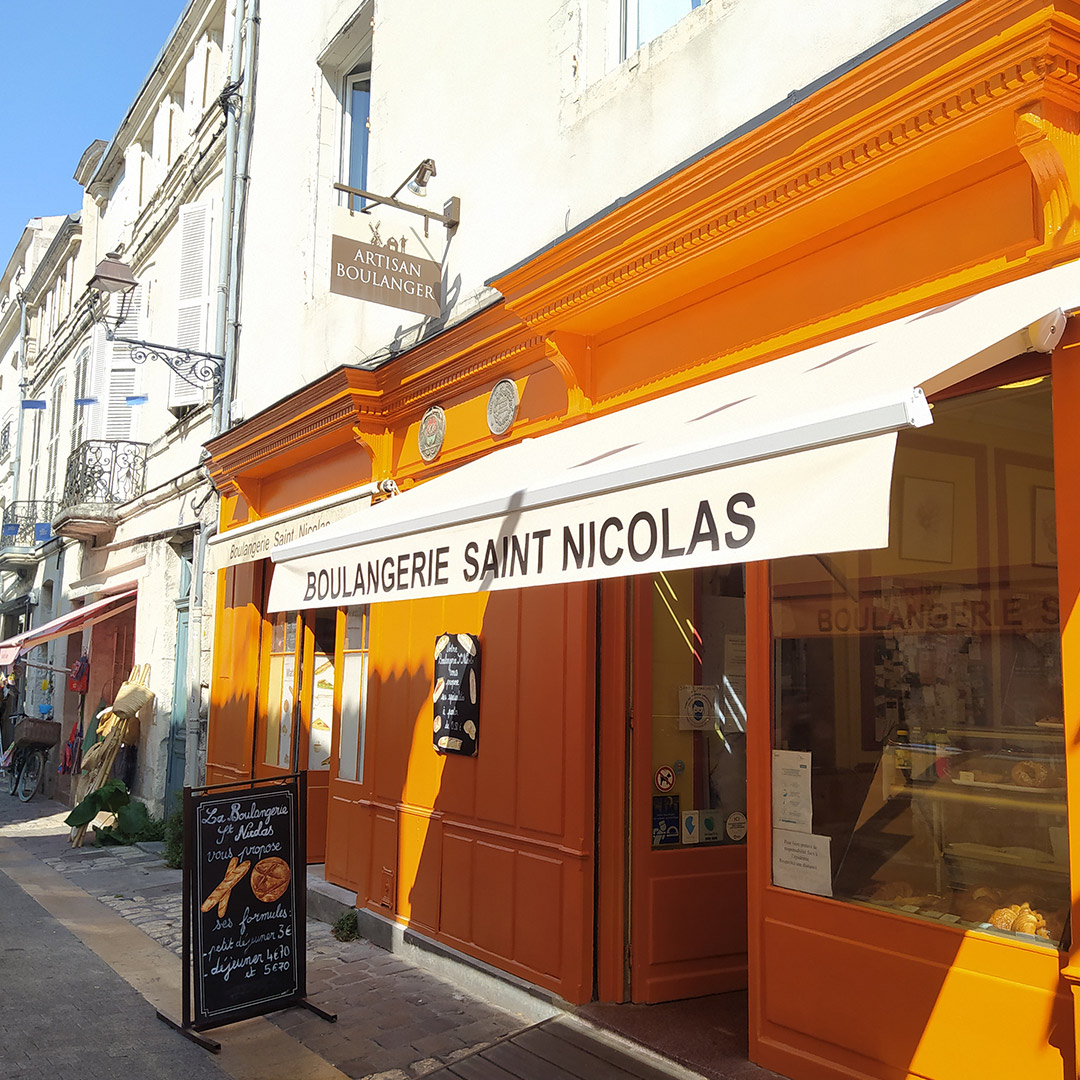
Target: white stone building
(539,117)
(108,465)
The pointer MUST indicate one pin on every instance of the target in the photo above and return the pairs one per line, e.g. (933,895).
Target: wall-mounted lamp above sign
(416,182)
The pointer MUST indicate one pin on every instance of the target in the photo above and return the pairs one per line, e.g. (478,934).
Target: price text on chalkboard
(455,698)
(249,932)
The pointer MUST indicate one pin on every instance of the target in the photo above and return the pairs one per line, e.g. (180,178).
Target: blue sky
(69,70)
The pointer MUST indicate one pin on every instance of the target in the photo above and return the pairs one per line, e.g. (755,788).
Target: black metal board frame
(195,1017)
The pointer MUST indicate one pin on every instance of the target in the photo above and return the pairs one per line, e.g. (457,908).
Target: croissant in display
(1033,774)
(1020,919)
(977,904)
(891,890)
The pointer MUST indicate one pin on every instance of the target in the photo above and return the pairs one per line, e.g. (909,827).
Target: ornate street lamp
(113,277)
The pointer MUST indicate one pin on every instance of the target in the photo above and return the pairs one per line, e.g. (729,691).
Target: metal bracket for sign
(188,1026)
(451,217)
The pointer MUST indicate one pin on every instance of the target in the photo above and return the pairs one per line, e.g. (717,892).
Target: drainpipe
(193,724)
(240,180)
(15,460)
(224,288)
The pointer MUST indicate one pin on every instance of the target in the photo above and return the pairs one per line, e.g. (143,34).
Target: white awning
(791,457)
(257,539)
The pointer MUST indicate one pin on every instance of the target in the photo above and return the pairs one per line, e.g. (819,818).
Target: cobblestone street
(396,1021)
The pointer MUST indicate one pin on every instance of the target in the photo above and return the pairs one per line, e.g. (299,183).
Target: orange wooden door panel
(235,679)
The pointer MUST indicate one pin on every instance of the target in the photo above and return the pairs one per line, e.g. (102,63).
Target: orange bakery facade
(703,615)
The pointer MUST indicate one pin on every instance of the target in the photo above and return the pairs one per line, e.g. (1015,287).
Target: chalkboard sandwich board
(245,902)
(455,697)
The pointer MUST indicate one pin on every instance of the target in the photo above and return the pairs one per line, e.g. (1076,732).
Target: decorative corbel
(1046,136)
(379,446)
(248,488)
(571,355)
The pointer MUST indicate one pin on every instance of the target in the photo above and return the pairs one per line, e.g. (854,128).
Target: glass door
(688,865)
(296,709)
(277,729)
(317,723)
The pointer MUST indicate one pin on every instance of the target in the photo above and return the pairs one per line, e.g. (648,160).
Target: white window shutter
(194,296)
(116,422)
(83,381)
(97,385)
(118,416)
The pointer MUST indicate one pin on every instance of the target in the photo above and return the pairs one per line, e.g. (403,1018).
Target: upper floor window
(193,314)
(643,20)
(53,450)
(83,399)
(345,63)
(35,454)
(357,129)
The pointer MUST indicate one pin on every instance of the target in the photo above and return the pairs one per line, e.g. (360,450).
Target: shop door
(292,729)
(177,759)
(175,767)
(688,786)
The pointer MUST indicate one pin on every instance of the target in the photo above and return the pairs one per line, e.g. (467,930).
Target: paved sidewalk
(396,1021)
(66,1015)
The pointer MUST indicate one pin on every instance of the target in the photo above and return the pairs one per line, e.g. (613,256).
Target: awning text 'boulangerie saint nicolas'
(791,457)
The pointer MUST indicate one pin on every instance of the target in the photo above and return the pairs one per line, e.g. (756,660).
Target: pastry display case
(967,826)
(920,685)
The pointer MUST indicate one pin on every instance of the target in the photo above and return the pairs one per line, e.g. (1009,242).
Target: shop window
(698,708)
(283,684)
(354,695)
(642,20)
(324,631)
(919,751)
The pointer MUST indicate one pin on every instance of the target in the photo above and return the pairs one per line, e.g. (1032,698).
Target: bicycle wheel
(32,771)
(13,773)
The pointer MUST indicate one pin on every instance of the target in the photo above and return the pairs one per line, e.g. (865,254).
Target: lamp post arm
(200,369)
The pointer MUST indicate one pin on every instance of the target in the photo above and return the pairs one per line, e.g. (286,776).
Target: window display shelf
(1027,736)
(1045,800)
(1028,858)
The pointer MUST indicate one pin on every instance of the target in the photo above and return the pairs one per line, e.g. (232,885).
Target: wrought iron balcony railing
(27,524)
(104,473)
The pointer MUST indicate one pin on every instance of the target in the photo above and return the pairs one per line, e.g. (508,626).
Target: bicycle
(30,747)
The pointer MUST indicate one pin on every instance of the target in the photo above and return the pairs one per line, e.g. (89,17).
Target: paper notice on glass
(791,805)
(802,861)
(733,690)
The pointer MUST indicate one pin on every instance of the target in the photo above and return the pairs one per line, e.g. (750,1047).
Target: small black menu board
(456,695)
(245,902)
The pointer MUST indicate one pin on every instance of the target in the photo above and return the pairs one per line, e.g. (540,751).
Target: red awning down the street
(13,647)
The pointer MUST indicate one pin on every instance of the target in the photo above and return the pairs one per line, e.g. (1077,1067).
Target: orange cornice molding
(998,58)
(355,405)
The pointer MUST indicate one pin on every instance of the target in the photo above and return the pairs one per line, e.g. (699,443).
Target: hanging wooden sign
(456,695)
(386,276)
